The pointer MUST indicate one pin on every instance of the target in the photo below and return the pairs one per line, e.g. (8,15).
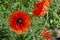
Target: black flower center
(19,21)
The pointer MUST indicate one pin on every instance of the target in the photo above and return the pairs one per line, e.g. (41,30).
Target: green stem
(21,37)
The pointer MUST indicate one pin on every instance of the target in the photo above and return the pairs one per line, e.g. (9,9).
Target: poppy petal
(46,33)
(41,8)
(38,9)
(49,38)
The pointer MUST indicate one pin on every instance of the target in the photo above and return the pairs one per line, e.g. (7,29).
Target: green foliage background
(50,21)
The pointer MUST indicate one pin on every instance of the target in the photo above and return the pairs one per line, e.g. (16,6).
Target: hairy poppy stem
(21,37)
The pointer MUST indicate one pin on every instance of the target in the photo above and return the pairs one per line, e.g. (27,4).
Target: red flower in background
(47,34)
(38,9)
(41,8)
(20,22)
(49,38)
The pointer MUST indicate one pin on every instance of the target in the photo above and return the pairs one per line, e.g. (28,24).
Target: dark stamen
(19,21)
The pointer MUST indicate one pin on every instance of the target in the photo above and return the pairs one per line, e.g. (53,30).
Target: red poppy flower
(45,33)
(41,8)
(38,9)
(49,38)
(20,22)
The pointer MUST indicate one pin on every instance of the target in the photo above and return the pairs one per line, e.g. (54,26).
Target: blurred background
(49,21)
